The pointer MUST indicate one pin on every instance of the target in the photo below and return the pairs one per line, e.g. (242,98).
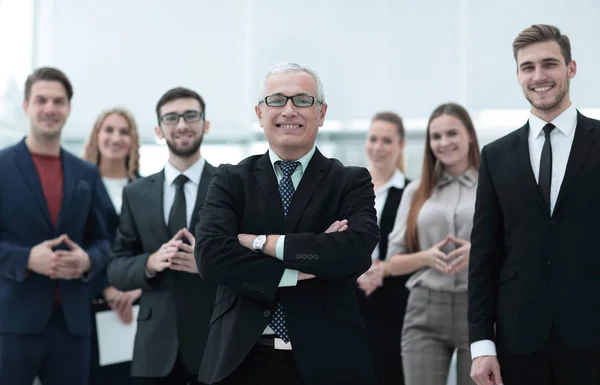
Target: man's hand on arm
(247,240)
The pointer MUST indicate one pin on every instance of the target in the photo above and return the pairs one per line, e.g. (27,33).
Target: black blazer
(528,270)
(322,316)
(175,307)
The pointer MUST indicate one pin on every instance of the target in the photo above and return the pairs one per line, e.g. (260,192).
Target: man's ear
(158,132)
(258,112)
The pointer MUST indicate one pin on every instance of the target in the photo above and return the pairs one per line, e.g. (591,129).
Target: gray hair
(291,67)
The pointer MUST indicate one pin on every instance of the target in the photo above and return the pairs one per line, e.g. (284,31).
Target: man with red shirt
(53,241)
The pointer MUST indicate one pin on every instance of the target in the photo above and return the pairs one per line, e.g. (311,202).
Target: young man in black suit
(153,249)
(533,314)
(285,235)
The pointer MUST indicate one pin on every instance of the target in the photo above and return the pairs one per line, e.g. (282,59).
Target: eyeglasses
(190,116)
(279,100)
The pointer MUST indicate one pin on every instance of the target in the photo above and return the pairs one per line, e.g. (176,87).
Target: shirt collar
(273,157)
(468,179)
(193,172)
(565,122)
(398,181)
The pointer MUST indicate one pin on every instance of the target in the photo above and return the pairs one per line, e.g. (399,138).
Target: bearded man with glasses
(285,235)
(153,249)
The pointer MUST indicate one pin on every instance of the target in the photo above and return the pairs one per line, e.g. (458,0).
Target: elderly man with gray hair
(285,235)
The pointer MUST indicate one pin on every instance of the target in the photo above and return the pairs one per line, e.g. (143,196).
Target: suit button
(262,289)
(267,313)
(298,256)
(316,257)
(245,285)
(552,222)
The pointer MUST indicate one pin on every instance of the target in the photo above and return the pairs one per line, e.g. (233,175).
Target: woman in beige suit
(430,239)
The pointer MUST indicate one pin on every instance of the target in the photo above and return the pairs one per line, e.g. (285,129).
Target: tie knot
(287,167)
(548,128)
(181,180)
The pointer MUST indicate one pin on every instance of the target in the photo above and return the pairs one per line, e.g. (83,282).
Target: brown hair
(48,74)
(132,161)
(430,172)
(179,93)
(539,33)
(395,119)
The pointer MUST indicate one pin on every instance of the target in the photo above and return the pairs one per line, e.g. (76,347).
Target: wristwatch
(258,244)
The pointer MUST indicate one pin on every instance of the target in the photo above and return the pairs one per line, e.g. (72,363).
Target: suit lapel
(71,177)
(205,178)
(525,171)
(308,185)
(29,173)
(155,202)
(265,176)
(582,143)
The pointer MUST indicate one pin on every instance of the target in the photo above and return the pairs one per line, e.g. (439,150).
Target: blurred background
(398,55)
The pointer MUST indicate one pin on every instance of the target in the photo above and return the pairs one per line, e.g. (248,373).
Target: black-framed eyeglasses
(190,116)
(300,100)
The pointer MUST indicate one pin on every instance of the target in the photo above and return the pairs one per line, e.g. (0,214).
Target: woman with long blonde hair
(430,240)
(113,145)
(382,301)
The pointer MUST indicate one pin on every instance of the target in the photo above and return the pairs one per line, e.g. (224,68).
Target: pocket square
(83,185)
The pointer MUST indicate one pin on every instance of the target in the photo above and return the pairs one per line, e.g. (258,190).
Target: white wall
(402,55)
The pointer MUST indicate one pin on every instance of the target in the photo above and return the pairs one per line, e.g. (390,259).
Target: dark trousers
(554,364)
(178,376)
(54,355)
(266,366)
(383,313)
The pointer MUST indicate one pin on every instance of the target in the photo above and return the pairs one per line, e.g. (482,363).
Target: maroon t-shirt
(50,172)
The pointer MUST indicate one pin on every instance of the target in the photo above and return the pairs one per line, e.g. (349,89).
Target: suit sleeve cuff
(483,348)
(289,278)
(279,253)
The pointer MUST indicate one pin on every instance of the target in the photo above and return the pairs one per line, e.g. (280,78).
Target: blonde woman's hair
(132,161)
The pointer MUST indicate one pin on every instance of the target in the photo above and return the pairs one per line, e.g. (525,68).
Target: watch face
(259,242)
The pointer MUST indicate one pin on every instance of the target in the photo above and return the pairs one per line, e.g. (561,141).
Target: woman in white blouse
(382,301)
(114,146)
(430,240)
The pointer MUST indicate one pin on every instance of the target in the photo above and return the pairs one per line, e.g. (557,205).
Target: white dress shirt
(398,180)
(190,189)
(561,139)
(114,187)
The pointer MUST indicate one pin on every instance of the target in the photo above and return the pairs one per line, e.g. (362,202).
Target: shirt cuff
(279,251)
(289,278)
(483,348)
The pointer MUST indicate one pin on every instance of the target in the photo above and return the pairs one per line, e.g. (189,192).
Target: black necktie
(545,176)
(178,213)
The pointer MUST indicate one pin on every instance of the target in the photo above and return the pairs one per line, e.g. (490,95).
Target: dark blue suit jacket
(27,299)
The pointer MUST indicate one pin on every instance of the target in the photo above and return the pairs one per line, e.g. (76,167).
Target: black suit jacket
(322,316)
(175,307)
(529,270)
